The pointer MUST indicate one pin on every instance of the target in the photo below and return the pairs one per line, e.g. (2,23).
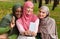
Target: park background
(6,8)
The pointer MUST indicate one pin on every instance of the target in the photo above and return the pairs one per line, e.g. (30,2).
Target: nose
(18,13)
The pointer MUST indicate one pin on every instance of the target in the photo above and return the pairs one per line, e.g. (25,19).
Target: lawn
(6,6)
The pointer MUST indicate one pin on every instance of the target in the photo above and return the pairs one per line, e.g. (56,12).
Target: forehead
(19,8)
(29,6)
(42,10)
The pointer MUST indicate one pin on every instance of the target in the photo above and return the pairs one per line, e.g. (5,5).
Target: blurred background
(54,6)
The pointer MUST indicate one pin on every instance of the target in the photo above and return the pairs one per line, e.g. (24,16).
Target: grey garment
(47,28)
(6,20)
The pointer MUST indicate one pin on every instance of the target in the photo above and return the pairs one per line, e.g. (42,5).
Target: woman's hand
(30,33)
(27,32)
(12,24)
(33,34)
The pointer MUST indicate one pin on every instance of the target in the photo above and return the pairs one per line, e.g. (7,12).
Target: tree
(34,1)
(25,0)
(57,1)
(55,4)
(50,1)
(46,1)
(40,3)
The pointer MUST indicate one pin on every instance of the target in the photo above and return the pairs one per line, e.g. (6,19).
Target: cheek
(17,14)
(27,9)
(31,10)
(44,15)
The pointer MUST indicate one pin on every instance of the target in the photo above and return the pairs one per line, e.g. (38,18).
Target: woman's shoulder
(8,16)
(51,20)
(19,20)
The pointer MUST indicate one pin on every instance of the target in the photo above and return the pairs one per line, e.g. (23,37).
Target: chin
(18,17)
(41,17)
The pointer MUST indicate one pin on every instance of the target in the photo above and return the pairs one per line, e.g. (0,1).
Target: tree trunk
(40,3)
(46,1)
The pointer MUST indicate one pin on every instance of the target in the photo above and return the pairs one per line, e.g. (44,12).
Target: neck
(43,18)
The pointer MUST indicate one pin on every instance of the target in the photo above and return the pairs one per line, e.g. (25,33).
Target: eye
(43,12)
(40,11)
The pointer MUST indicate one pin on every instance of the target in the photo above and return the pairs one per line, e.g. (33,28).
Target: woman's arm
(20,28)
(52,29)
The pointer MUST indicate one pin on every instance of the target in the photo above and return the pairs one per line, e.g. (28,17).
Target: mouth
(29,13)
(18,15)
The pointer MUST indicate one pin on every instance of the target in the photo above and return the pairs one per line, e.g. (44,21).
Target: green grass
(5,8)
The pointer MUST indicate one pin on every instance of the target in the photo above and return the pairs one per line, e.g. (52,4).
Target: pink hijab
(26,19)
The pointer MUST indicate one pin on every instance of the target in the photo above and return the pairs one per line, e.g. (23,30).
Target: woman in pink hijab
(28,23)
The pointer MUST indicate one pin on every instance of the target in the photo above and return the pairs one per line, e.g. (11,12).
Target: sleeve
(20,27)
(4,25)
(36,25)
(56,33)
(4,22)
(52,30)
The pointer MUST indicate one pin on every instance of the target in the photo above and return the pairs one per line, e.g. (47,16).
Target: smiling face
(18,12)
(42,14)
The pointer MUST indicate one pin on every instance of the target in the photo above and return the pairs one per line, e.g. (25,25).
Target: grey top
(47,26)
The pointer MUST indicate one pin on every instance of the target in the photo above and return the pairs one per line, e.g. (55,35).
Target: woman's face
(18,12)
(29,9)
(42,13)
